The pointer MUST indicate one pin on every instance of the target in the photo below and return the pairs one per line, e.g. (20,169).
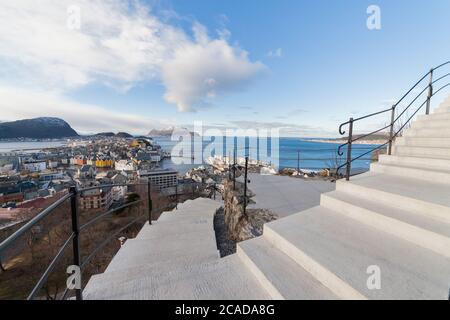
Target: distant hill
(105,134)
(124,135)
(112,134)
(38,128)
(168,132)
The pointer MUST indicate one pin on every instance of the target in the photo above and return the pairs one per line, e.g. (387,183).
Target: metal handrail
(50,268)
(107,213)
(394,118)
(76,229)
(30,224)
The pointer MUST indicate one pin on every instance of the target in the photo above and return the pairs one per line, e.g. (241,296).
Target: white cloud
(278,53)
(120,43)
(205,68)
(84,118)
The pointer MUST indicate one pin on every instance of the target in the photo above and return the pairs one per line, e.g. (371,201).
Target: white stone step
(225,279)
(418,229)
(147,251)
(281,276)
(442,109)
(434,164)
(434,116)
(100,281)
(404,193)
(168,230)
(442,132)
(430,123)
(339,252)
(424,173)
(425,152)
(173,217)
(423,142)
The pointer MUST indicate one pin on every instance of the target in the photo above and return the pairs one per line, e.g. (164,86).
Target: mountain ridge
(37,128)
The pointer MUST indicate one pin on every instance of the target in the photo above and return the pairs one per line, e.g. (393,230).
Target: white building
(161,179)
(52,164)
(35,166)
(125,165)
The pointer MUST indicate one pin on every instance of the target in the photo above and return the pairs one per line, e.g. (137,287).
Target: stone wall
(243,226)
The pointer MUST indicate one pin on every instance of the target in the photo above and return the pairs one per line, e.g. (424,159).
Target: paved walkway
(287,195)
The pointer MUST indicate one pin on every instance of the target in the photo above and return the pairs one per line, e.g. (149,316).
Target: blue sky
(308,65)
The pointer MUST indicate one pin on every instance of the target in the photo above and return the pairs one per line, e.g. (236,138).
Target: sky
(134,65)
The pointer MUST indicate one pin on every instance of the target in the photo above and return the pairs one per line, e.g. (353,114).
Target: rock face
(38,128)
(243,226)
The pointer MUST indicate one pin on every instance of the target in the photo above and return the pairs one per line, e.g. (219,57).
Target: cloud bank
(84,118)
(119,43)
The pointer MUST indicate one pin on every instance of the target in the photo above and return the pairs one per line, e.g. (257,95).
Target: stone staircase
(395,218)
(175,258)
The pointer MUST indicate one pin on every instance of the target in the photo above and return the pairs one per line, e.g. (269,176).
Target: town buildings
(29,177)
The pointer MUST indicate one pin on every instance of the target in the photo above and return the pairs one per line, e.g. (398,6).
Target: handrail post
(176,196)
(245,186)
(298,161)
(2,269)
(349,150)
(391,132)
(150,202)
(76,233)
(234,170)
(430,93)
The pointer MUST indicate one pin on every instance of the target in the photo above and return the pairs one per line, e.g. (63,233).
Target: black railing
(395,117)
(76,231)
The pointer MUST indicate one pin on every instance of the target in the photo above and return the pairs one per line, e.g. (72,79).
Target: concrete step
(174,217)
(423,173)
(423,142)
(177,264)
(442,109)
(442,132)
(281,276)
(414,195)
(425,152)
(170,230)
(434,164)
(144,252)
(415,228)
(431,123)
(434,116)
(224,279)
(341,253)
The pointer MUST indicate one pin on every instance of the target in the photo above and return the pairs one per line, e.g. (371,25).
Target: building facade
(100,198)
(161,179)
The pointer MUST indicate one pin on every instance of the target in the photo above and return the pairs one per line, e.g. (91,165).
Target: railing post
(245,186)
(391,131)
(349,150)
(234,170)
(150,202)
(298,160)
(430,93)
(176,196)
(76,232)
(2,269)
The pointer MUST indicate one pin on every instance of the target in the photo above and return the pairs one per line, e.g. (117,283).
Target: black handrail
(76,229)
(394,119)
